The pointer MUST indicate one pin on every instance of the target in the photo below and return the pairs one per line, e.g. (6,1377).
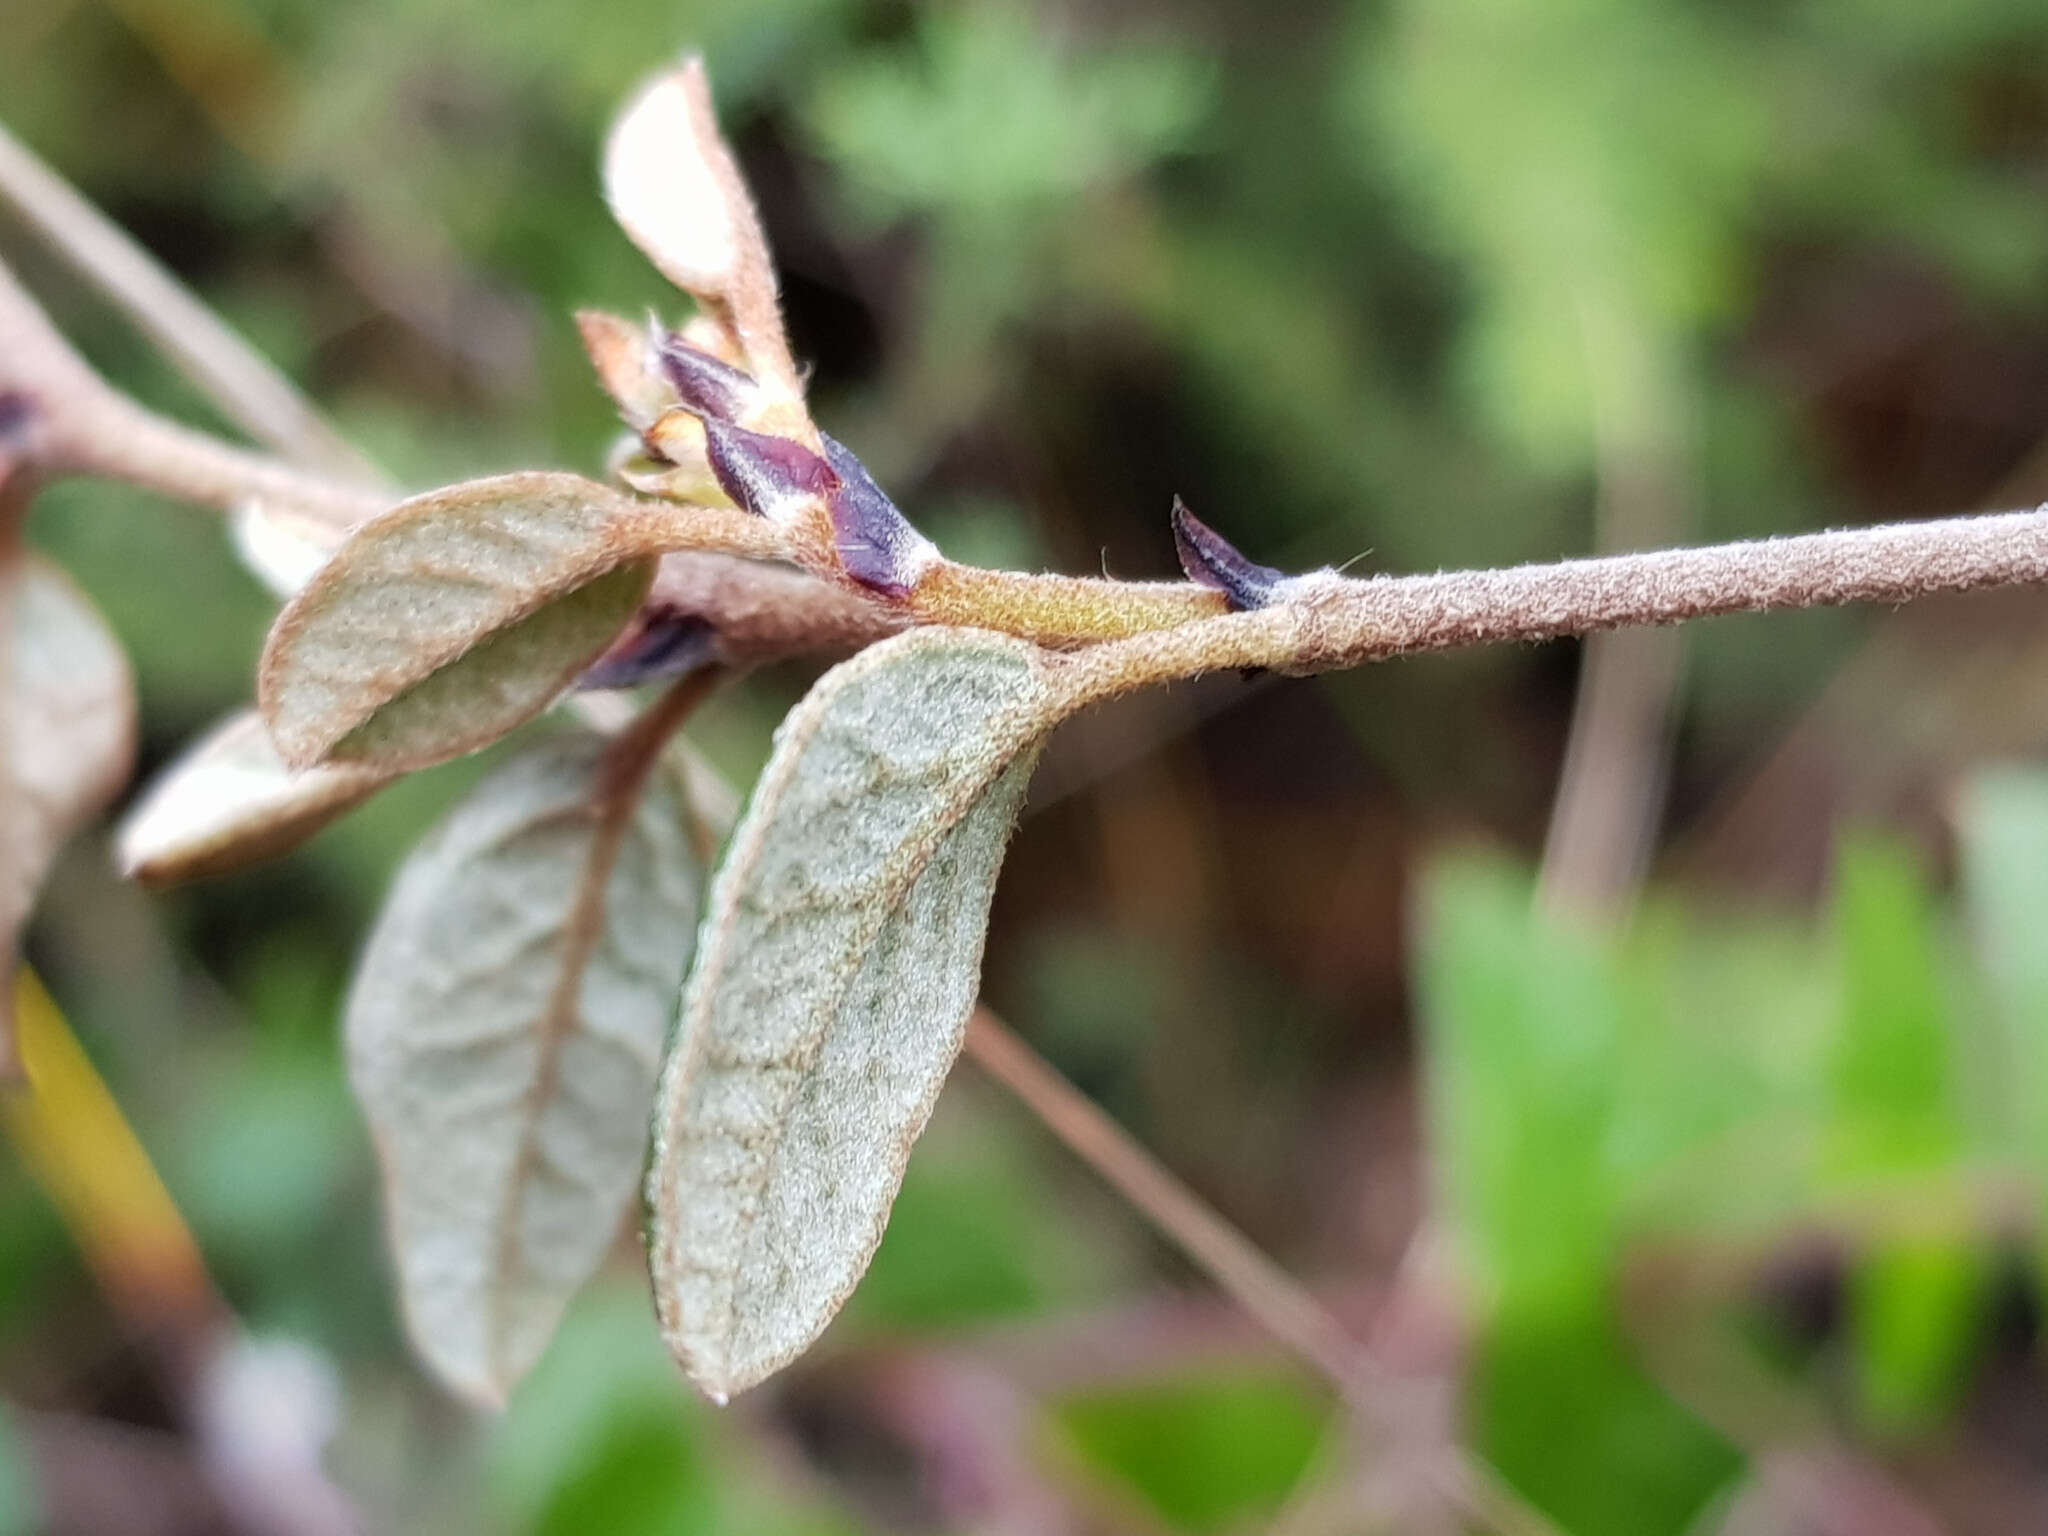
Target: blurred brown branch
(237,378)
(1261,1287)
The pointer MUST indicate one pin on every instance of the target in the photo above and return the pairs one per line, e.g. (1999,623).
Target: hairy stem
(1057,610)
(67,420)
(248,389)
(1327,622)
(125,442)
(56,413)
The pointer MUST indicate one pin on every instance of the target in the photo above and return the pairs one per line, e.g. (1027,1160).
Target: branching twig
(58,417)
(1253,1280)
(237,378)
(76,424)
(1262,1288)
(70,422)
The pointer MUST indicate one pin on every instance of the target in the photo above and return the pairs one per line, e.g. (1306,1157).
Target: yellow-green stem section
(1057,610)
(74,1139)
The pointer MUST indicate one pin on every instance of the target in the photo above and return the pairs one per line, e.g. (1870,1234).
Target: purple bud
(659,645)
(765,474)
(1214,561)
(704,384)
(877,545)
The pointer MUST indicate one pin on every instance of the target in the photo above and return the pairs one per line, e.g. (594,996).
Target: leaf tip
(663,185)
(624,358)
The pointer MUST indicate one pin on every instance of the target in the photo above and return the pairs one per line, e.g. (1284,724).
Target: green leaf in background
(1895,1125)
(1587,161)
(608,1378)
(1916,1316)
(979,1232)
(1714,1119)
(1204,1452)
(645,1475)
(1892,1079)
(992,117)
(605,1437)
(1528,1028)
(2003,825)
(1523,1029)
(1557,1403)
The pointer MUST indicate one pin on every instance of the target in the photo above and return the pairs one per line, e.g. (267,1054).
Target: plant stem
(1326,622)
(77,424)
(1251,1279)
(72,422)
(248,389)
(1057,610)
(128,443)
(1268,1294)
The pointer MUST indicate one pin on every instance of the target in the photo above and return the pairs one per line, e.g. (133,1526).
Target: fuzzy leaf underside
(454,617)
(500,683)
(840,959)
(504,1034)
(230,801)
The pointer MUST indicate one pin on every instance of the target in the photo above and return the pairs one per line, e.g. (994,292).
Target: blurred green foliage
(1204,1453)
(1394,278)
(1580,1110)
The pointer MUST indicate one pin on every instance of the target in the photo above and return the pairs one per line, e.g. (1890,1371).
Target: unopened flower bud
(1214,561)
(703,383)
(877,545)
(771,476)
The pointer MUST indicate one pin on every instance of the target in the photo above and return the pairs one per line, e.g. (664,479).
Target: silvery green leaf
(443,623)
(838,964)
(230,801)
(67,735)
(504,1033)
